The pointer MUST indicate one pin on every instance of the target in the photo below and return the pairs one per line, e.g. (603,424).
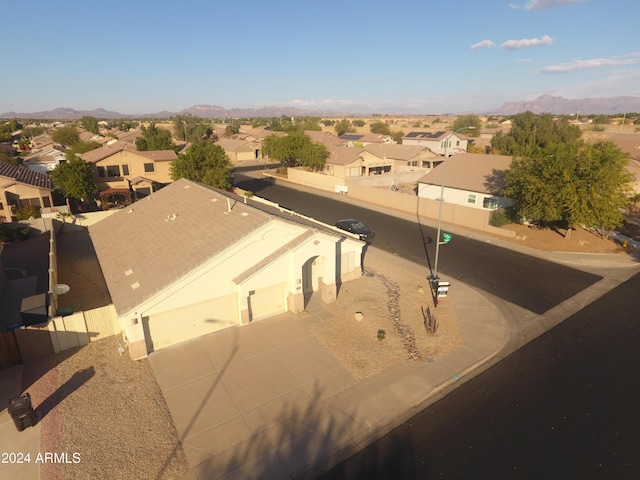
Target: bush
(26,212)
(8,235)
(502,217)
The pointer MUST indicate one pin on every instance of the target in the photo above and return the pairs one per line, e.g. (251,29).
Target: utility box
(443,289)
(22,412)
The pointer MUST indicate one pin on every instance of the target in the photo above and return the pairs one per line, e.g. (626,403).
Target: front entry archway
(312,271)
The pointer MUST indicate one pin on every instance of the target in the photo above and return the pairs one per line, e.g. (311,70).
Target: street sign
(446,237)
(443,289)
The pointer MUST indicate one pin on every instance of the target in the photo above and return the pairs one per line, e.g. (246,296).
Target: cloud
(527,42)
(513,6)
(630,59)
(483,44)
(537,5)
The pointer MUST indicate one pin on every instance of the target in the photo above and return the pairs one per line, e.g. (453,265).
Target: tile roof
(325,138)
(471,172)
(344,155)
(26,176)
(159,155)
(94,156)
(148,246)
(398,152)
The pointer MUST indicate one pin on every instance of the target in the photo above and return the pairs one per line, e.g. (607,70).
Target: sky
(373,56)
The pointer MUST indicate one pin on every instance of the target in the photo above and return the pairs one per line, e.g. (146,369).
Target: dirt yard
(549,240)
(390,297)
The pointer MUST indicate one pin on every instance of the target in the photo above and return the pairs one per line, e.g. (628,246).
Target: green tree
(204,162)
(80,148)
(358,122)
(468,121)
(232,129)
(343,126)
(313,155)
(531,133)
(5,157)
(579,184)
(397,136)
(154,138)
(75,180)
(601,120)
(187,127)
(67,136)
(90,124)
(380,128)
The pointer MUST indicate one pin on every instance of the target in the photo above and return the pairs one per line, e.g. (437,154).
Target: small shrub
(430,322)
(26,212)
(597,128)
(381,334)
(501,217)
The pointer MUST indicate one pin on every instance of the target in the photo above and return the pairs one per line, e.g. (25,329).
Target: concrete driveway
(249,399)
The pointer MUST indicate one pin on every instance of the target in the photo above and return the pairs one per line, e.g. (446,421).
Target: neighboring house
(471,180)
(327,139)
(194,259)
(364,139)
(124,174)
(404,158)
(239,150)
(45,160)
(20,186)
(346,162)
(435,141)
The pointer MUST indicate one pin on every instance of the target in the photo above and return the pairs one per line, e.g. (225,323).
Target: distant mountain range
(203,111)
(543,104)
(566,106)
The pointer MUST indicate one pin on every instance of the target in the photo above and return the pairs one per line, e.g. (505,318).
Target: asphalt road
(528,282)
(564,406)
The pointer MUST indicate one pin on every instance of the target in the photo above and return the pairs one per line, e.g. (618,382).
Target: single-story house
(405,158)
(189,260)
(437,141)
(239,150)
(124,174)
(45,160)
(472,180)
(364,139)
(20,186)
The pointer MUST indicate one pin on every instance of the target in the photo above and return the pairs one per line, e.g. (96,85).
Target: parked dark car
(354,226)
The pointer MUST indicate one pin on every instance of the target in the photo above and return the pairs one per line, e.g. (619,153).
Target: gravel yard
(390,296)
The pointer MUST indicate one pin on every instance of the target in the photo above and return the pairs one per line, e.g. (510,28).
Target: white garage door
(174,326)
(266,301)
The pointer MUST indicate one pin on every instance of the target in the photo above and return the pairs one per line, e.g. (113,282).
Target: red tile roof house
(189,260)
(20,186)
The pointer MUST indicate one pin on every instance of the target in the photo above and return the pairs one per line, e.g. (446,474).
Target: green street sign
(446,237)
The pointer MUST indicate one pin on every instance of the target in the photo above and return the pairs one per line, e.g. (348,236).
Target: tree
(204,162)
(579,184)
(154,138)
(358,122)
(187,127)
(531,133)
(601,120)
(90,124)
(67,136)
(295,147)
(380,128)
(313,155)
(5,157)
(343,126)
(80,148)
(468,121)
(232,129)
(397,136)
(75,180)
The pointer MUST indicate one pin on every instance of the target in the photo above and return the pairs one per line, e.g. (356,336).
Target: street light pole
(434,277)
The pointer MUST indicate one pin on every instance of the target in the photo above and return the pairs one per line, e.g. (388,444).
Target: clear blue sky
(413,56)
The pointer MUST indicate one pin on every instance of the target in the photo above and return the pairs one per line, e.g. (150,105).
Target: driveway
(258,389)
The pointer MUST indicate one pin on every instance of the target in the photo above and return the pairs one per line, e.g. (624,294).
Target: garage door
(266,301)
(175,326)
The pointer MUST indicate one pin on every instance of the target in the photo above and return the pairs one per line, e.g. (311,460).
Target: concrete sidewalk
(268,400)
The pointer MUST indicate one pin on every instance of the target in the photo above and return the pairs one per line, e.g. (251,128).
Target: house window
(471,198)
(490,203)
(46,202)
(149,167)
(457,143)
(125,170)
(102,172)
(113,170)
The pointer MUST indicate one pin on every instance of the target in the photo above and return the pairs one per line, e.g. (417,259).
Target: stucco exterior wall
(136,162)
